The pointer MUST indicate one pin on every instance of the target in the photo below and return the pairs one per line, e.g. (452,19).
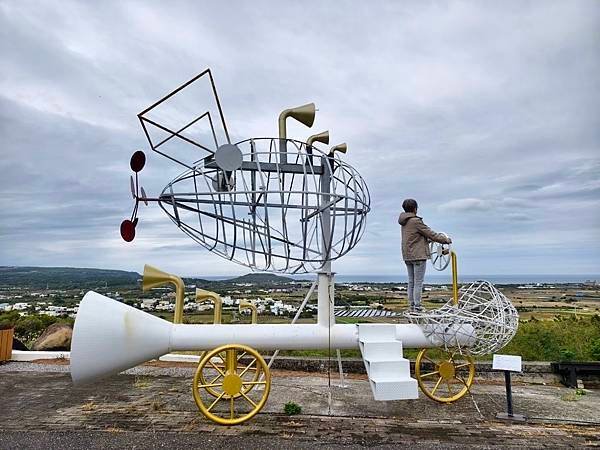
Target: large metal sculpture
(280,205)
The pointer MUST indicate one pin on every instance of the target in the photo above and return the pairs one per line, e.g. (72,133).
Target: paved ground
(152,407)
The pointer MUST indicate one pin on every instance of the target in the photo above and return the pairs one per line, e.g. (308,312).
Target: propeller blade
(132,185)
(144,196)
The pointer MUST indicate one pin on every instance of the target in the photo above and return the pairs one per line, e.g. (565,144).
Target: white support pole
(341,369)
(300,309)
(325,317)
(325,293)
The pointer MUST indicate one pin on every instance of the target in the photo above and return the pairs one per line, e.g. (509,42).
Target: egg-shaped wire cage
(484,317)
(287,211)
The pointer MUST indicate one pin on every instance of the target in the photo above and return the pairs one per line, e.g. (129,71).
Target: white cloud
(465,205)
(486,113)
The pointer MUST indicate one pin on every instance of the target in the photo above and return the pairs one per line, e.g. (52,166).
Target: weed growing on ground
(89,406)
(573,396)
(141,382)
(291,408)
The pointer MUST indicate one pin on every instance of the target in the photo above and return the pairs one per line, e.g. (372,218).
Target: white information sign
(507,362)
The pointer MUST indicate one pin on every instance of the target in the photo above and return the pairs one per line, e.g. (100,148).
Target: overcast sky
(488,113)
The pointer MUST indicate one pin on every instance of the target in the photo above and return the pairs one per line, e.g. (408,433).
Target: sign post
(508,364)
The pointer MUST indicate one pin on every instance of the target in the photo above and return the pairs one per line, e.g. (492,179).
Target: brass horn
(251,306)
(343,148)
(304,114)
(202,294)
(320,137)
(154,277)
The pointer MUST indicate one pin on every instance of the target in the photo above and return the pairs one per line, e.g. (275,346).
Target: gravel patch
(18,366)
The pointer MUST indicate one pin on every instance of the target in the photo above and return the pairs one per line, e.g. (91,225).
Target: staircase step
(381,349)
(381,332)
(390,358)
(404,389)
(392,370)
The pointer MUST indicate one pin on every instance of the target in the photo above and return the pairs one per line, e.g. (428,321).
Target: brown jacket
(416,236)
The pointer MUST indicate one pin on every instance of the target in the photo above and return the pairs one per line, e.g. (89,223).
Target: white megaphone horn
(109,337)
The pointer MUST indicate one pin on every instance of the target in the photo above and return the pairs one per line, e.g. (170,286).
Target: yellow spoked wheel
(231,399)
(245,363)
(450,376)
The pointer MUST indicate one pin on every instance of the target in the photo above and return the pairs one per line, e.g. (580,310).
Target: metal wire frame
(285,205)
(484,317)
(145,121)
(247,216)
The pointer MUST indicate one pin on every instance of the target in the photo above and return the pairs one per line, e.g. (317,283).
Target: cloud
(487,113)
(465,205)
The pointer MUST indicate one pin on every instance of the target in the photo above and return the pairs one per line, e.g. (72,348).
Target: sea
(447,279)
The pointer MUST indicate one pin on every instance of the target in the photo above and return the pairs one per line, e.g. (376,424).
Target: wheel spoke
(430,373)
(216,401)
(462,365)
(436,386)
(248,399)
(241,355)
(253,382)
(222,358)
(247,368)
(210,385)
(231,408)
(430,360)
(217,369)
(462,381)
(215,379)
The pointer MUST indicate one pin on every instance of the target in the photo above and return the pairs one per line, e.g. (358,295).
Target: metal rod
(509,402)
(300,309)
(454,278)
(341,369)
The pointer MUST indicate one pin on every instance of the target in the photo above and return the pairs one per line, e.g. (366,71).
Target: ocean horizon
(444,279)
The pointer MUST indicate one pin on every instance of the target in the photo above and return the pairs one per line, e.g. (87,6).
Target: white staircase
(387,369)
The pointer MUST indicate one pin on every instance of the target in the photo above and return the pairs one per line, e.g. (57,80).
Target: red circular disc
(138,161)
(127,230)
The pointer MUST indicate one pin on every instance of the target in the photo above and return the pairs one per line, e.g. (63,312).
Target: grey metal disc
(229,157)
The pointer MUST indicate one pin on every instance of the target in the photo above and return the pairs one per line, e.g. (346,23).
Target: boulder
(18,345)
(56,337)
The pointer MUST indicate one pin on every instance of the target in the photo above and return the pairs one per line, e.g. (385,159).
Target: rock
(56,337)
(18,345)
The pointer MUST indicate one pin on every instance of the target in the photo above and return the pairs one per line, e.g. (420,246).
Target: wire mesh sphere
(484,320)
(270,204)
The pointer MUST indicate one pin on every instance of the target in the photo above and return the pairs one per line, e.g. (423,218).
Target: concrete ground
(152,407)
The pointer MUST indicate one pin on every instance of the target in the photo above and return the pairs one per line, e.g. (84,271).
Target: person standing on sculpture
(415,249)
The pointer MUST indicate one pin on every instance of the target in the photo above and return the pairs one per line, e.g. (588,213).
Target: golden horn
(320,137)
(252,307)
(343,148)
(304,114)
(201,294)
(154,277)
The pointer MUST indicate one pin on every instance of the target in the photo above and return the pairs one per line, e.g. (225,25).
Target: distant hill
(65,277)
(75,277)
(260,278)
